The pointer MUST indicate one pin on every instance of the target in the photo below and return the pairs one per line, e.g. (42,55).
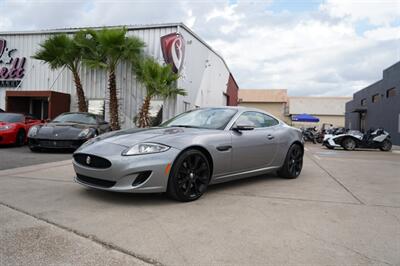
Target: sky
(311,48)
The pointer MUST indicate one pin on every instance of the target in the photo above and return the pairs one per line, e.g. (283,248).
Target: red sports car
(14,128)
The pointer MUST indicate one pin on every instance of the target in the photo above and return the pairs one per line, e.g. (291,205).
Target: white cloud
(315,52)
(377,12)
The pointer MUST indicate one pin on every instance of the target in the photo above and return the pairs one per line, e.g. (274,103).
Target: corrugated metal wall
(205,76)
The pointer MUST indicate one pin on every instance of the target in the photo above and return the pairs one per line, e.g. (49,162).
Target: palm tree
(105,49)
(62,51)
(159,81)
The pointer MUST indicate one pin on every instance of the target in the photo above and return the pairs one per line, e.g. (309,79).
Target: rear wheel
(189,176)
(349,144)
(386,145)
(20,140)
(293,163)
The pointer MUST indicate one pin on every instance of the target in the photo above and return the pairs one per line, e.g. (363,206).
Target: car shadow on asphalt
(148,199)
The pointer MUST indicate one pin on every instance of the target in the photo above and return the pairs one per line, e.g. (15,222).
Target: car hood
(131,137)
(60,130)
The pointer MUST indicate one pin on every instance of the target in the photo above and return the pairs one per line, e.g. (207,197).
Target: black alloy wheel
(293,162)
(189,176)
(20,140)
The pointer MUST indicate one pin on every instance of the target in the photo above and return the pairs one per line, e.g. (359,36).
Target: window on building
(186,106)
(363,102)
(391,92)
(256,119)
(375,98)
(96,107)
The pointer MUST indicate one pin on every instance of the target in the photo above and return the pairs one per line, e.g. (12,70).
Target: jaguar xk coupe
(189,152)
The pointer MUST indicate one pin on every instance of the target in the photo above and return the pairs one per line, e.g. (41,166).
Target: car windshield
(11,118)
(210,118)
(75,118)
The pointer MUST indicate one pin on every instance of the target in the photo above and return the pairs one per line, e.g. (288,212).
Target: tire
(189,177)
(349,144)
(386,145)
(34,149)
(293,162)
(20,139)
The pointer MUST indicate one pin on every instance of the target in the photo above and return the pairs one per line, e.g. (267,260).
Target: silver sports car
(189,152)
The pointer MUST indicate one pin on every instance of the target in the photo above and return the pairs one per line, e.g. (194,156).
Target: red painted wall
(232,91)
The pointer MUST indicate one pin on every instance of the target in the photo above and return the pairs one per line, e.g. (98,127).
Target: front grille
(92,160)
(55,144)
(47,143)
(95,181)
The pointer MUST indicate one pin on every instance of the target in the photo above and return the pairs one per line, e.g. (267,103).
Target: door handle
(224,148)
(270,136)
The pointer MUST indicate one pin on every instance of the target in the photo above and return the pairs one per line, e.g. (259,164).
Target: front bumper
(133,174)
(55,143)
(7,137)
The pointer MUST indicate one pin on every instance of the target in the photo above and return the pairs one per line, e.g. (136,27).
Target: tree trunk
(144,120)
(82,105)
(112,87)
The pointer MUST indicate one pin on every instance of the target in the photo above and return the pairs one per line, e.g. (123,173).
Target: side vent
(141,178)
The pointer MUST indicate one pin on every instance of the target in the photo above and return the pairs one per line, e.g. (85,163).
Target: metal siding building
(204,74)
(378,105)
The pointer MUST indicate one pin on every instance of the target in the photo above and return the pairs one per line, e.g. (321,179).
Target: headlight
(85,133)
(33,132)
(145,148)
(6,127)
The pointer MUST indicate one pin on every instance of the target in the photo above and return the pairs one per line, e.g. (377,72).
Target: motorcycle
(373,139)
(309,134)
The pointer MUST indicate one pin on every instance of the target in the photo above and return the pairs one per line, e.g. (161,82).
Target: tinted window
(11,118)
(75,118)
(211,118)
(363,102)
(256,119)
(375,98)
(391,92)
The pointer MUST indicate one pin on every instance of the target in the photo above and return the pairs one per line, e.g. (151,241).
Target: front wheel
(293,162)
(189,176)
(20,140)
(386,145)
(349,144)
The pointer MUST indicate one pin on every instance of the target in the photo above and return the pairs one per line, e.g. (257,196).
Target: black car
(66,131)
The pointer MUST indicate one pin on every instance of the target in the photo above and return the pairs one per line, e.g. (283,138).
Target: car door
(254,149)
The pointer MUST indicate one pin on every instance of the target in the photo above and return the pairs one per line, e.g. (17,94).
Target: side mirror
(242,127)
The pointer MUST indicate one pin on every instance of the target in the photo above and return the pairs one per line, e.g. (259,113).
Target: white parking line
(306,149)
(398,152)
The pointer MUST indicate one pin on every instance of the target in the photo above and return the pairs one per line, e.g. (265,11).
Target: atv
(373,139)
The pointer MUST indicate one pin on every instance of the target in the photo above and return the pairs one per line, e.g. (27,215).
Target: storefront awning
(305,118)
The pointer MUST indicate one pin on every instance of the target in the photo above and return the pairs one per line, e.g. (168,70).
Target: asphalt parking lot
(344,209)
(13,157)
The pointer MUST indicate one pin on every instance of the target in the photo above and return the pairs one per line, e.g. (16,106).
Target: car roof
(238,108)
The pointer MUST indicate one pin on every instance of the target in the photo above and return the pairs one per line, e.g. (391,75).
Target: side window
(256,119)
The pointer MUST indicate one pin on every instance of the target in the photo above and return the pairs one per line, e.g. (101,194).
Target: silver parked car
(187,153)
